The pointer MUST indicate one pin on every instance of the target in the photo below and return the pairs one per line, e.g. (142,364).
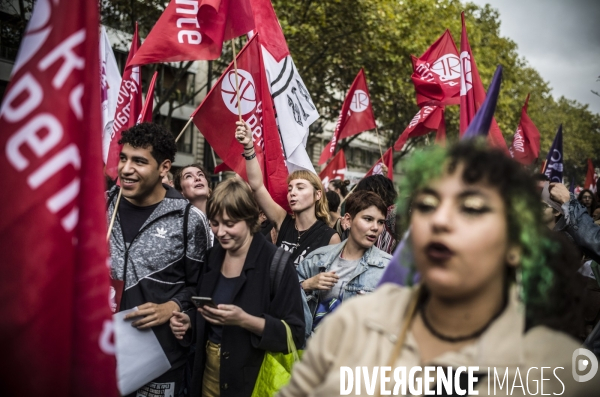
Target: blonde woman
(307,229)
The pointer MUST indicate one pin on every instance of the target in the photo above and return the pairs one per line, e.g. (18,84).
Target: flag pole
(114,215)
(184,128)
(237,83)
(378,141)
(349,193)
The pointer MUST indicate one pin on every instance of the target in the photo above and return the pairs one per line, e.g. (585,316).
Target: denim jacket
(364,279)
(580,226)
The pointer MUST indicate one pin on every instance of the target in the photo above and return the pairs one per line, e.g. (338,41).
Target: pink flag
(388,160)
(129,106)
(436,73)
(336,169)
(472,93)
(526,142)
(55,321)
(190,30)
(356,115)
(429,118)
(146,113)
(217,114)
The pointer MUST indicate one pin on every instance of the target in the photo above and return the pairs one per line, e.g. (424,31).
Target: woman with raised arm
(496,302)
(307,229)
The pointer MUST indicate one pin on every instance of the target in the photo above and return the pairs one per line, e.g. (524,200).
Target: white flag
(295,110)
(110,81)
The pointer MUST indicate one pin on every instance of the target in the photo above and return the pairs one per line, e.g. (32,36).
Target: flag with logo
(110,82)
(336,169)
(388,161)
(129,106)
(554,161)
(146,113)
(356,116)
(217,114)
(436,73)
(194,30)
(55,321)
(427,119)
(472,93)
(294,108)
(526,142)
(590,180)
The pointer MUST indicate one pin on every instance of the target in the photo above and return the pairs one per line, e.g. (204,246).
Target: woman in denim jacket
(338,272)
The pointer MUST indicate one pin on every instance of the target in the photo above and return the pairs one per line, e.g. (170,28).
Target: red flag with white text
(472,93)
(427,119)
(590,180)
(191,30)
(526,141)
(129,106)
(336,169)
(146,113)
(55,321)
(217,114)
(356,116)
(388,161)
(436,73)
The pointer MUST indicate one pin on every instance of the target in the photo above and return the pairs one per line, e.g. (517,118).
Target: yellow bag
(276,369)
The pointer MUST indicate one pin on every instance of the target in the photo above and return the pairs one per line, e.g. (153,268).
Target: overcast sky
(560,39)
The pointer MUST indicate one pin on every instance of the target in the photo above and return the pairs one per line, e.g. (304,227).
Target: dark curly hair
(379,185)
(145,135)
(481,164)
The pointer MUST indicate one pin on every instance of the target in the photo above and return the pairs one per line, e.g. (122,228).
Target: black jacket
(242,352)
(157,269)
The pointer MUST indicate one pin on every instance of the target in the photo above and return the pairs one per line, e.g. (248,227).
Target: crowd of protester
(502,268)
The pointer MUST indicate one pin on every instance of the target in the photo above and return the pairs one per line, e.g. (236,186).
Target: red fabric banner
(146,113)
(590,181)
(427,119)
(217,114)
(55,321)
(388,160)
(267,25)
(526,141)
(472,93)
(129,106)
(436,73)
(191,30)
(356,116)
(336,169)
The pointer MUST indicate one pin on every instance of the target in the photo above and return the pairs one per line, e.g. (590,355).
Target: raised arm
(274,212)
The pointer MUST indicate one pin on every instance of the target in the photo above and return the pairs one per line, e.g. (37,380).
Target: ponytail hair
(321,205)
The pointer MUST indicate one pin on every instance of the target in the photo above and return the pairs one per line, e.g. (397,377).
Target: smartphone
(201,301)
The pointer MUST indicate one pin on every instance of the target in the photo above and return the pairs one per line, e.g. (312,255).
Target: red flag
(267,25)
(129,105)
(388,160)
(55,322)
(217,114)
(590,181)
(436,73)
(472,93)
(356,115)
(190,30)
(427,119)
(526,142)
(146,113)
(336,169)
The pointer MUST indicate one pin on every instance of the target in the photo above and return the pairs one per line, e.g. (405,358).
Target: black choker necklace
(456,339)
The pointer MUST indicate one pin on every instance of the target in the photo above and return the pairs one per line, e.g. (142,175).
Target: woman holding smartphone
(232,337)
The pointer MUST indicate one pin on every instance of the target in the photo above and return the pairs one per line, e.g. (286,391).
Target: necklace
(456,339)
(303,232)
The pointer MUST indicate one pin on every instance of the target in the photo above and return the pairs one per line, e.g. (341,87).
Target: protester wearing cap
(157,244)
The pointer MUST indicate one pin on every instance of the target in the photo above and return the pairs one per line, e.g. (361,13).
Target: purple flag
(483,118)
(554,161)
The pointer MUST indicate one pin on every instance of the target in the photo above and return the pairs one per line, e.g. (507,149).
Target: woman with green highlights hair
(476,228)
